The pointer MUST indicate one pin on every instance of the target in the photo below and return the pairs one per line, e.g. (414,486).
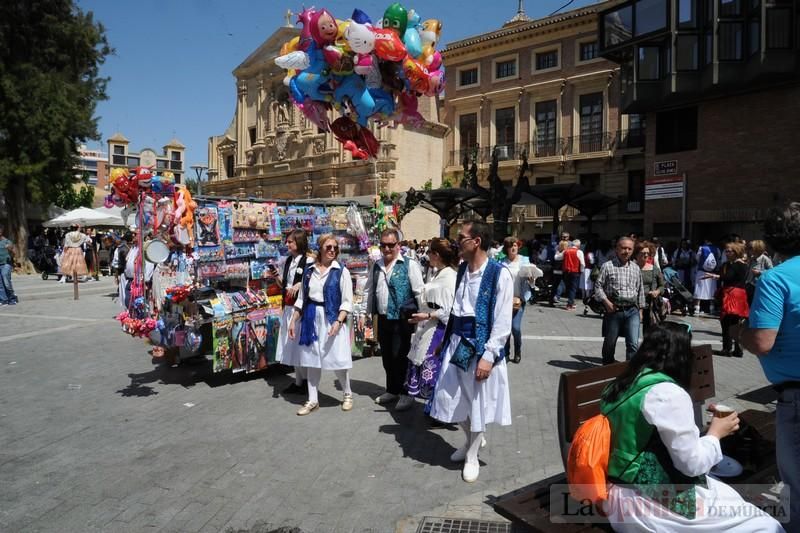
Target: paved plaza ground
(94,436)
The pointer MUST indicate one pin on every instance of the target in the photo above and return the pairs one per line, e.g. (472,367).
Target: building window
(118,160)
(161,164)
(618,26)
(175,165)
(505,125)
(636,122)
(591,120)
(754,36)
(468,77)
(687,14)
(132,162)
(178,177)
(651,16)
(176,156)
(229,166)
(119,149)
(779,28)
(588,51)
(635,191)
(252,133)
(686,52)
(730,41)
(590,181)
(649,63)
(89,164)
(467,132)
(505,69)
(547,60)
(676,131)
(546,128)
(730,8)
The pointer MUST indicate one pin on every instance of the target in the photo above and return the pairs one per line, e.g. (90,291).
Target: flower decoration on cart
(364,70)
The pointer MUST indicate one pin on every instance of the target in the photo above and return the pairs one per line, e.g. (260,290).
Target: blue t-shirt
(776,305)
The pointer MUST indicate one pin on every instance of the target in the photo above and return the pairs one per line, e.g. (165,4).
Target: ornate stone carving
(281,140)
(319,146)
(250,158)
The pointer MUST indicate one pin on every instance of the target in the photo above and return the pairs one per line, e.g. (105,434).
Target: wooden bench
(578,400)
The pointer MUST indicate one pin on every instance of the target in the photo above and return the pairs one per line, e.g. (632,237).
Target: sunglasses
(389,245)
(331,248)
(463,238)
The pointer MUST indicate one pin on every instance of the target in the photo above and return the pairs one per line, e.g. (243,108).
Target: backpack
(710,264)
(587,459)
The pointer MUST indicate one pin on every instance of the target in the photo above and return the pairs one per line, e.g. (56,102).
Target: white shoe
(386,397)
(405,403)
(470,471)
(483,441)
(460,454)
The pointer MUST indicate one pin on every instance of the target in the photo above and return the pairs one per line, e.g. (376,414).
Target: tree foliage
(50,55)
(71,198)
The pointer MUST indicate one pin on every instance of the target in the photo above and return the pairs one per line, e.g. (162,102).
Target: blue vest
(399,288)
(332,302)
(469,348)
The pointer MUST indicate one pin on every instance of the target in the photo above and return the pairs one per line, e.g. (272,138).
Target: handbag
(408,308)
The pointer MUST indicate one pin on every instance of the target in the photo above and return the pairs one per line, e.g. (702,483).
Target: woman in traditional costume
(291,281)
(659,463)
(431,320)
(319,323)
(73,262)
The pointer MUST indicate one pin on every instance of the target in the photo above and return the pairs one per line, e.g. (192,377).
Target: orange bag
(587,460)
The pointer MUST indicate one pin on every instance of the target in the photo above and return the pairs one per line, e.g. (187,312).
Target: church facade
(270,150)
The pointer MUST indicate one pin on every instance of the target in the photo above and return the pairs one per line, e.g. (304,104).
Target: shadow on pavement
(764,395)
(581,362)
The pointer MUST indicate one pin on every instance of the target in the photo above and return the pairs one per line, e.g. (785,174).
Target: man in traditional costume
(473,389)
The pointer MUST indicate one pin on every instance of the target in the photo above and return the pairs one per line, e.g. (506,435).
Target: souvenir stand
(207,281)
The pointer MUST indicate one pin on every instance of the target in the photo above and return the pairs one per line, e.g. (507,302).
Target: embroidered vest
(295,278)
(330,291)
(484,315)
(399,288)
(639,458)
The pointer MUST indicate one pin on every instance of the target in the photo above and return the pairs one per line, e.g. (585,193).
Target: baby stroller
(44,259)
(679,296)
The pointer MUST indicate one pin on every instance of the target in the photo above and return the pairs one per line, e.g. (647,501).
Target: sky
(171,74)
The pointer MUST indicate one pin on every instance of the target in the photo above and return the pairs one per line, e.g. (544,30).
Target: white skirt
(586,281)
(287,352)
(704,289)
(327,353)
(421,340)
(718,508)
(459,396)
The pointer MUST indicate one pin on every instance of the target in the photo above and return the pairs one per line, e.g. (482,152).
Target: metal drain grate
(431,524)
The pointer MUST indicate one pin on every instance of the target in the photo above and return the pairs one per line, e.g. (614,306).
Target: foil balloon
(323,28)
(411,37)
(388,45)
(395,19)
(363,139)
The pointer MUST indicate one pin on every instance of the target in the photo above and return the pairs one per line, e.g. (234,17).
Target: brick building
(540,87)
(719,84)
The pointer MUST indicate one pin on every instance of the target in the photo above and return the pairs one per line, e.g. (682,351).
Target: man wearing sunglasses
(473,388)
(394,288)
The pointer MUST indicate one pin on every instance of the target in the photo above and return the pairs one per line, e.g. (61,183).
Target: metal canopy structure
(449,204)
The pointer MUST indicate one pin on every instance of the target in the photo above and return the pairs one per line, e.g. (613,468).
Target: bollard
(75,285)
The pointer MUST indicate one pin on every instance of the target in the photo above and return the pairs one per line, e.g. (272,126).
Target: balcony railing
(552,147)
(627,139)
(590,143)
(629,204)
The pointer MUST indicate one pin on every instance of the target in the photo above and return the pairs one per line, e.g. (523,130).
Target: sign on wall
(661,187)
(665,168)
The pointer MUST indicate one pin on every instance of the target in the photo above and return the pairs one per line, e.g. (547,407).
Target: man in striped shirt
(620,289)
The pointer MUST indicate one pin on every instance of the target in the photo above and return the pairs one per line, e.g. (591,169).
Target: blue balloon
(360,17)
(413,43)
(353,87)
(311,80)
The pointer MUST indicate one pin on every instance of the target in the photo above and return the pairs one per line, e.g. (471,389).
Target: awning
(85,217)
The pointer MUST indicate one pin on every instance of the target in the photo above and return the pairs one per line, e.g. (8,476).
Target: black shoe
(294,388)
(725,353)
(517,358)
(737,353)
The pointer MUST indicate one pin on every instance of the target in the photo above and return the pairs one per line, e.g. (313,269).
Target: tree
(50,55)
(191,184)
(69,198)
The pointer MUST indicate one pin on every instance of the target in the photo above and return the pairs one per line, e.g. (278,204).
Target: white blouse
(467,297)
(669,408)
(316,287)
(440,291)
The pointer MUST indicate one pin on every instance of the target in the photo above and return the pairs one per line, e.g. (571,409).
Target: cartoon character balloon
(395,18)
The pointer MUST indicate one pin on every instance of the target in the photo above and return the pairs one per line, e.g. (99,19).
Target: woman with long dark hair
(291,279)
(658,461)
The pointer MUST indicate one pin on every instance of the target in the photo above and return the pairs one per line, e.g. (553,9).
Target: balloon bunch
(178,293)
(136,327)
(364,70)
(126,184)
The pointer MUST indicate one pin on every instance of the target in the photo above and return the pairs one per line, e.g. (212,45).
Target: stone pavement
(94,436)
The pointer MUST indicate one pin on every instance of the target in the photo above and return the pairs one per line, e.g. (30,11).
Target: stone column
(242,137)
(260,111)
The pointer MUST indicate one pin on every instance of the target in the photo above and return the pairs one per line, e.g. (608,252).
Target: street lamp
(199,169)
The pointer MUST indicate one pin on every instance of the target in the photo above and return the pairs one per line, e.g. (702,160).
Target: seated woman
(658,461)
